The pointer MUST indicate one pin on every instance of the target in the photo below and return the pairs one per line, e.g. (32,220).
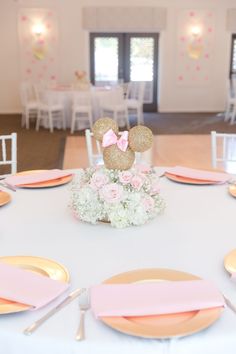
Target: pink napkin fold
(36,177)
(198,174)
(28,288)
(145,299)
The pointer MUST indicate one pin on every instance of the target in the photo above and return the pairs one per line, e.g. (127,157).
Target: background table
(193,235)
(66,97)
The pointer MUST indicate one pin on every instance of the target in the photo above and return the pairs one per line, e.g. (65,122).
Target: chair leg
(227,113)
(38,120)
(27,118)
(72,127)
(50,118)
(233,116)
(127,119)
(63,120)
(90,117)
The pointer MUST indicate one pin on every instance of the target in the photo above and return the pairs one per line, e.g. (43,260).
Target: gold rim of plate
(46,184)
(187,180)
(230,261)
(232,190)
(162,326)
(4,198)
(43,266)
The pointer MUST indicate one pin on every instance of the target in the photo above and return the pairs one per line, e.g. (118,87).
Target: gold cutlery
(84,305)
(29,330)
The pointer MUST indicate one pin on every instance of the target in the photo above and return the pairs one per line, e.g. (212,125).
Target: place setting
(149,303)
(193,176)
(35,179)
(5,198)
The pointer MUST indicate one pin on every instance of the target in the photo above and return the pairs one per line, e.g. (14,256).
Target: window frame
(232,72)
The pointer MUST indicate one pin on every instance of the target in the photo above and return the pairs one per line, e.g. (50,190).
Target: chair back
(26,93)
(94,150)
(223,151)
(8,152)
(82,98)
(136,90)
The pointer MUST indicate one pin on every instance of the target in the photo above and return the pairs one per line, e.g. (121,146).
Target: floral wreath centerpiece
(118,192)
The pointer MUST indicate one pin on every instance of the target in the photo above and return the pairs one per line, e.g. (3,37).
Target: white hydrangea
(123,199)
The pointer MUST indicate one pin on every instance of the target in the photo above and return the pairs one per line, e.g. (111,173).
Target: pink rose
(111,193)
(155,188)
(143,168)
(148,203)
(137,182)
(98,180)
(125,177)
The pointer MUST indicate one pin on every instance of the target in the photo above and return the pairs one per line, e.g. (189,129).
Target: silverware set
(73,295)
(84,305)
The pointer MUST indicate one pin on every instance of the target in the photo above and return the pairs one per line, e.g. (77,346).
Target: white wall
(74,51)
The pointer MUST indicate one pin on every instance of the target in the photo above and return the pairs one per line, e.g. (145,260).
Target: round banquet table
(193,235)
(65,96)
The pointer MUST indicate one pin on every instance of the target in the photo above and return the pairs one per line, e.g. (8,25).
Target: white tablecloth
(193,235)
(66,97)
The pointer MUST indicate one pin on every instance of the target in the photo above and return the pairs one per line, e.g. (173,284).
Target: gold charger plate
(187,180)
(230,261)
(43,266)
(45,184)
(162,326)
(4,198)
(232,190)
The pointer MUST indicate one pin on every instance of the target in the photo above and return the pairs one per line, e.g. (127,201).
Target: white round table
(193,235)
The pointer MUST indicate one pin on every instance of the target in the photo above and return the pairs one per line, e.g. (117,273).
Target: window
(233,56)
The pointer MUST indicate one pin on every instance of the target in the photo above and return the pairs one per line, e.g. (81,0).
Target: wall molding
(128,18)
(231,20)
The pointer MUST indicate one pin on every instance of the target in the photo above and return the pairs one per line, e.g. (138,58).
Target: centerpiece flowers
(123,198)
(120,192)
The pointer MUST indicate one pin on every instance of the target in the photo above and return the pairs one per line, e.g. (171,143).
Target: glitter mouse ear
(102,125)
(115,159)
(140,138)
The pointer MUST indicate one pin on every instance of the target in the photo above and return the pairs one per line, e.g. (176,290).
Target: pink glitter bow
(110,138)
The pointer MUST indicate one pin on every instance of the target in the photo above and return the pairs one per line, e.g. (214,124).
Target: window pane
(141,59)
(106,60)
(141,63)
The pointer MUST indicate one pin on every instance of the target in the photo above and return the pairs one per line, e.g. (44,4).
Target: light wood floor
(168,150)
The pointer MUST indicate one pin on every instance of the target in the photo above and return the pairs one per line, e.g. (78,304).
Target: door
(123,57)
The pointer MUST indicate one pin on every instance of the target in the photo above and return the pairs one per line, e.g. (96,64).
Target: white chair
(135,98)
(50,109)
(223,151)
(81,109)
(93,149)
(29,104)
(8,152)
(113,105)
(230,113)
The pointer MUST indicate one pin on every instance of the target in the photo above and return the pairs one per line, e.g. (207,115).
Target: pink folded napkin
(145,299)
(36,177)
(198,174)
(20,285)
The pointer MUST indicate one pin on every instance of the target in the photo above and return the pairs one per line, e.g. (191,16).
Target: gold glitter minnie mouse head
(119,150)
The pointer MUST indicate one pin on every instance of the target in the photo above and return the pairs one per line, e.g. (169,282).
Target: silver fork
(84,305)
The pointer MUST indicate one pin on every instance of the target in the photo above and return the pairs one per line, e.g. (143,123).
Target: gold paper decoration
(115,159)
(140,138)
(102,125)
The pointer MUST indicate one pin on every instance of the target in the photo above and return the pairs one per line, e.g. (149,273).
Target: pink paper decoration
(192,14)
(180,78)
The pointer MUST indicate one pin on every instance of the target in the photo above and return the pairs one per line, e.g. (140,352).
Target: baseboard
(9,112)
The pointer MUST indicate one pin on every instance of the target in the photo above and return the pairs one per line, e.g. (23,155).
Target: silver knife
(29,330)
(8,186)
(229,304)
